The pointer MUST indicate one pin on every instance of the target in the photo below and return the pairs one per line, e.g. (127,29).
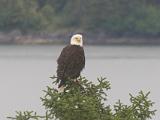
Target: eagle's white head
(77,40)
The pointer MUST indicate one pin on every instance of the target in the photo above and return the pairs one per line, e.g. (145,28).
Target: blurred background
(121,42)
(105,21)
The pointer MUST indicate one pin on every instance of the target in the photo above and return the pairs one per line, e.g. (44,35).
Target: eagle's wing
(62,62)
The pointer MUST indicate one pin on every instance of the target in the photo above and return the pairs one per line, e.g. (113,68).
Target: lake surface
(25,72)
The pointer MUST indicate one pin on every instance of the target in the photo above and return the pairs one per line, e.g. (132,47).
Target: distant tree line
(113,17)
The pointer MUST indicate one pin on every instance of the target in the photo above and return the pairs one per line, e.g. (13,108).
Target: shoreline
(16,38)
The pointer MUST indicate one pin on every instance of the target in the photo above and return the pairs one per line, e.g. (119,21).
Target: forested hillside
(111,17)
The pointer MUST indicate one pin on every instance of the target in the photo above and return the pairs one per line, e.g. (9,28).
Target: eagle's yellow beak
(78,40)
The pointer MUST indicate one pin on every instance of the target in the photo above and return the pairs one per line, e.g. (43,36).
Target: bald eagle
(71,60)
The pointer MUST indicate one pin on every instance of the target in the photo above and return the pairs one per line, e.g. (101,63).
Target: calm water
(25,71)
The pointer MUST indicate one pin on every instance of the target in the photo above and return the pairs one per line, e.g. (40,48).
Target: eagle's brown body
(70,63)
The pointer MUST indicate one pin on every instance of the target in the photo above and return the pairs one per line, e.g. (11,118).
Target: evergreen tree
(86,101)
